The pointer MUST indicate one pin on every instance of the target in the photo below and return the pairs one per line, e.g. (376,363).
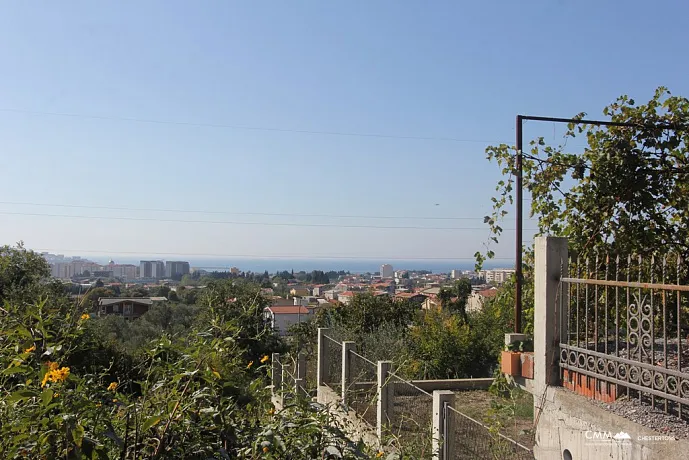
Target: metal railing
(411,417)
(621,323)
(362,391)
(472,440)
(333,370)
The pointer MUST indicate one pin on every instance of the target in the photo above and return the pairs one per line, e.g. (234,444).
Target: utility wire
(255,256)
(252,128)
(280,224)
(116,208)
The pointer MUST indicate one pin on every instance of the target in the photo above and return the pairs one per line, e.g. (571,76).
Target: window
(115,308)
(128,309)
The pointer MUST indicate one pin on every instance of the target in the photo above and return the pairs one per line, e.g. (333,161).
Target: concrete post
(347,347)
(443,448)
(300,380)
(385,398)
(301,365)
(275,374)
(322,356)
(550,264)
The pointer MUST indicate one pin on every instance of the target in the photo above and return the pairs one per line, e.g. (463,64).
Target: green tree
(21,273)
(626,193)
(99,283)
(90,299)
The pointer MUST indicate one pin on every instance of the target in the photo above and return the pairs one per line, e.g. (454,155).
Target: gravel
(645,415)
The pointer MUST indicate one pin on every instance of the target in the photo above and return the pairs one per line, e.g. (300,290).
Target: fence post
(300,381)
(385,398)
(551,259)
(346,369)
(322,356)
(276,373)
(443,430)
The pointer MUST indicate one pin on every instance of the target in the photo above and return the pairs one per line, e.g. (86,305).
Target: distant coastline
(351,265)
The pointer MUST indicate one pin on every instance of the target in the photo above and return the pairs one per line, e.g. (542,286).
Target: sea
(273,265)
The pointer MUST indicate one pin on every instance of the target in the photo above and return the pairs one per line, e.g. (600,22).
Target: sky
(235,128)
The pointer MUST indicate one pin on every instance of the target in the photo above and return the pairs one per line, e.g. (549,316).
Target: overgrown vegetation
(74,386)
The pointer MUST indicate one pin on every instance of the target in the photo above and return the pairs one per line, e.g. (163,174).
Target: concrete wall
(571,422)
(570,426)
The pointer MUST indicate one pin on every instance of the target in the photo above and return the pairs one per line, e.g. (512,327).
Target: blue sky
(459,70)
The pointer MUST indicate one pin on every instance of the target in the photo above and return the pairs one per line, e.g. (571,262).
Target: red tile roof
(288,309)
(489,292)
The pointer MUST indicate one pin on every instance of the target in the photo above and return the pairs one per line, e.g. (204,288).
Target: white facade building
(283,316)
(386,271)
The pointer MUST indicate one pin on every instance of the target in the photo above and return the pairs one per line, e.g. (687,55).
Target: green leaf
(21,395)
(150,422)
(46,396)
(78,435)
(15,370)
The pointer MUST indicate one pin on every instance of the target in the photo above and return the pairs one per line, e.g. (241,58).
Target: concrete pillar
(275,374)
(347,348)
(385,398)
(322,356)
(551,259)
(443,446)
(301,365)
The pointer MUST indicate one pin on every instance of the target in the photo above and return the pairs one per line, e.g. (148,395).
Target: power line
(255,256)
(251,128)
(116,208)
(277,224)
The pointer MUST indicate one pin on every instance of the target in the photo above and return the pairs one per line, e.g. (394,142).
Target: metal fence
(362,391)
(412,417)
(472,440)
(622,323)
(333,370)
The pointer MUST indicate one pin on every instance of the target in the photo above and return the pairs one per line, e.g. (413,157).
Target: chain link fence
(472,440)
(412,417)
(362,390)
(333,370)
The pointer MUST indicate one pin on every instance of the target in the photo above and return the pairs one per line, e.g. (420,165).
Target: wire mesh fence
(333,369)
(411,418)
(362,390)
(289,376)
(472,440)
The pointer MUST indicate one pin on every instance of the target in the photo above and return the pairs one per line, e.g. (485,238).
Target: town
(293,299)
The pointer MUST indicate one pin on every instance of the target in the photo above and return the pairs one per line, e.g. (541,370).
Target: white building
(151,269)
(283,316)
(386,271)
(456,274)
(497,276)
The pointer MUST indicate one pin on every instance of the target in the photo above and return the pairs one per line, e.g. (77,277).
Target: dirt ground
(514,416)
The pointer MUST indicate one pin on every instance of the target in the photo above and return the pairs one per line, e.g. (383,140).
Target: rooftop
(288,310)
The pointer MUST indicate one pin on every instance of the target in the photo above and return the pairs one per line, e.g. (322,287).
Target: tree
(99,283)
(163,291)
(21,273)
(90,299)
(627,192)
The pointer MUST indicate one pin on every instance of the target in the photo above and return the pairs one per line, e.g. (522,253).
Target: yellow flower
(379,454)
(265,449)
(114,400)
(264,359)
(271,411)
(85,316)
(54,374)
(251,363)
(30,349)
(56,395)
(112,386)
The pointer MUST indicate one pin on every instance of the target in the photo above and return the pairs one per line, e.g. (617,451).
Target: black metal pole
(519,185)
(518,236)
